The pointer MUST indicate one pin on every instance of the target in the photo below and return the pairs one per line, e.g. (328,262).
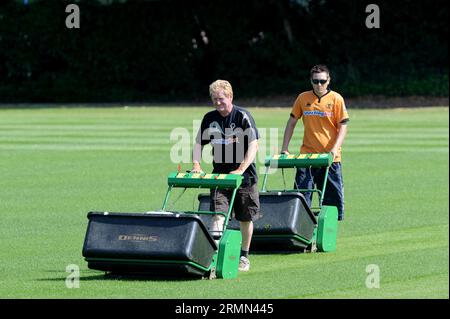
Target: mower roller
(167,243)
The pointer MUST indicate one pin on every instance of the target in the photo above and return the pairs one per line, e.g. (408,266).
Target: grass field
(58,164)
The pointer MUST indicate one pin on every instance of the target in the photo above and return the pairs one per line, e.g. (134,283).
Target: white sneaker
(244,264)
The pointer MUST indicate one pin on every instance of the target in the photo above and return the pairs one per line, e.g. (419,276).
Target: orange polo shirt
(321,117)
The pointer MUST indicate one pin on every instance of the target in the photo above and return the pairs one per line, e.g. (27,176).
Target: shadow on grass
(278,252)
(125,277)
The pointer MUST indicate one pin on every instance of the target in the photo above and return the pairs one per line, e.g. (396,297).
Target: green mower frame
(225,261)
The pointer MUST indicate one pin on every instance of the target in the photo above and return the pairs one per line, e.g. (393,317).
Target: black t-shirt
(229,137)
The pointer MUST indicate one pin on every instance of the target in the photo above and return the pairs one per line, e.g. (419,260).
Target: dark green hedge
(144,50)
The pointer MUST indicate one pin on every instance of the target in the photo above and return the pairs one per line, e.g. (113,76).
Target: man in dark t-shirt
(233,135)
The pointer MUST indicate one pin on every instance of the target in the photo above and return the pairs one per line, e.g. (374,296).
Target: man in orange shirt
(325,120)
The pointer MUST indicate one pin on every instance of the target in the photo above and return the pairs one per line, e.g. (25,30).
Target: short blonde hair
(221,85)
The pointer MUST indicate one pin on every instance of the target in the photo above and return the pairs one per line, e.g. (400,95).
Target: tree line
(137,51)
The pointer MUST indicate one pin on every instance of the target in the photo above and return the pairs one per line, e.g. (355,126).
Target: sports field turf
(57,164)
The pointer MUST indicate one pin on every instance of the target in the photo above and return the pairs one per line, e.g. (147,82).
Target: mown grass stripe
(77,160)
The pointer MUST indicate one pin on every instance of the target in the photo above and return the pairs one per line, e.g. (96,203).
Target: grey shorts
(246,202)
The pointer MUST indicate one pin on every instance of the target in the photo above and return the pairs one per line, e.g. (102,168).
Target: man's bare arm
(288,132)
(248,158)
(342,132)
(197,158)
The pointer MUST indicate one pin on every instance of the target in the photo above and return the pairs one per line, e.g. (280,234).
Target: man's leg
(219,202)
(304,180)
(246,207)
(334,194)
(247,233)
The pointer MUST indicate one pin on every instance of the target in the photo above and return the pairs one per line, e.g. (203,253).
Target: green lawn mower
(286,222)
(165,242)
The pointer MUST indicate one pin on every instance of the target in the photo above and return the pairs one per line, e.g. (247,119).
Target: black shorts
(246,202)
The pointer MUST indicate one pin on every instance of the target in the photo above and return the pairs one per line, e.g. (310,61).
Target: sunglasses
(316,81)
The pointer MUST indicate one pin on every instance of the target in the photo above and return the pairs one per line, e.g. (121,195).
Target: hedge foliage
(171,50)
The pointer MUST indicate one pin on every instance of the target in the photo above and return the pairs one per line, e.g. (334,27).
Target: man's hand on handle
(237,172)
(196,169)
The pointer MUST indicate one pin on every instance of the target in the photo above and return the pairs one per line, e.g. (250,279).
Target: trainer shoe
(244,264)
